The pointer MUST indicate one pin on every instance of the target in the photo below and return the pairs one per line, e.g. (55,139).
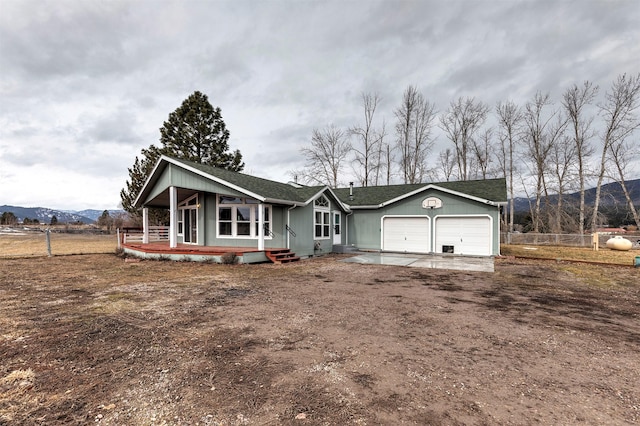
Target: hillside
(611,195)
(44,214)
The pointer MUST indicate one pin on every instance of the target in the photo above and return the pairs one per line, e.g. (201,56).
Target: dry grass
(604,255)
(35,244)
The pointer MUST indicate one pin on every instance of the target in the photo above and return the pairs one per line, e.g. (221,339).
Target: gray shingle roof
(489,189)
(267,188)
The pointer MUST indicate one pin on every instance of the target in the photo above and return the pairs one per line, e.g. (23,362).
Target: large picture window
(322,222)
(238,218)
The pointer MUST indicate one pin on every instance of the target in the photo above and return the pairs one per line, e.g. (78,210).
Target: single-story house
(210,206)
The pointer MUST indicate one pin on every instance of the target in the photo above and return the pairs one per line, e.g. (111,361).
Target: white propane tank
(619,243)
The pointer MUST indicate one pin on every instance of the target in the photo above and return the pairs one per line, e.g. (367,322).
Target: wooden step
(281,256)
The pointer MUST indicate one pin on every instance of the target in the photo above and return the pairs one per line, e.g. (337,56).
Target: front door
(191,226)
(337,228)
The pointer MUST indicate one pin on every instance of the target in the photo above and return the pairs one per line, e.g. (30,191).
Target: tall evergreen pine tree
(196,132)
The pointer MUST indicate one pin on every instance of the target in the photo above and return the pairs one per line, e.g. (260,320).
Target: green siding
(182,178)
(360,227)
(301,222)
(365,226)
(163,182)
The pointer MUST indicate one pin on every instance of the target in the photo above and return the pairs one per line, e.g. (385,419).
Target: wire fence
(30,243)
(570,240)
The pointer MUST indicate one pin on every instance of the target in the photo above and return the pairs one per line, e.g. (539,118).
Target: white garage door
(463,235)
(406,234)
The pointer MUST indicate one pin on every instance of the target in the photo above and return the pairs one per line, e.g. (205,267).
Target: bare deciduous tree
(541,133)
(483,153)
(460,123)
(562,157)
(383,158)
(575,100)
(326,157)
(621,155)
(509,123)
(444,166)
(388,156)
(367,148)
(619,111)
(414,131)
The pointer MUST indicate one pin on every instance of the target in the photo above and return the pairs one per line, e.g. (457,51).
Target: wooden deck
(196,252)
(163,247)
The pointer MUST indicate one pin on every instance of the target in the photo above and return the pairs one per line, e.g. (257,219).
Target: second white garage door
(406,234)
(463,235)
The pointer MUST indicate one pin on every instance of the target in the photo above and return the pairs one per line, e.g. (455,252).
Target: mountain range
(44,214)
(611,194)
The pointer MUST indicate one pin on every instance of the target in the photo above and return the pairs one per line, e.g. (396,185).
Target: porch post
(145,225)
(173,209)
(260,226)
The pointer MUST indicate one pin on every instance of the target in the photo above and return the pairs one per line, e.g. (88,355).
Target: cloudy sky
(85,85)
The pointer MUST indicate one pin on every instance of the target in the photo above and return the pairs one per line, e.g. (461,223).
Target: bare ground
(95,339)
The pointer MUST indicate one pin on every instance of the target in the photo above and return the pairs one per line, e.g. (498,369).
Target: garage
(406,234)
(468,235)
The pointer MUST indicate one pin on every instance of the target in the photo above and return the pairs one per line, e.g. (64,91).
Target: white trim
(444,216)
(146,182)
(261,226)
(342,205)
(210,177)
(408,216)
(182,206)
(340,226)
(322,210)
(254,217)
(426,188)
(173,225)
(145,225)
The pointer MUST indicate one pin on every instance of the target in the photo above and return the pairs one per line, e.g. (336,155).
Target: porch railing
(156,233)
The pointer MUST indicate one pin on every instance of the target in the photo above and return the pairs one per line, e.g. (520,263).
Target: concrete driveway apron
(434,261)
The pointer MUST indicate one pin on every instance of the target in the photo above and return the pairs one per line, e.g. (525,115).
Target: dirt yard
(95,339)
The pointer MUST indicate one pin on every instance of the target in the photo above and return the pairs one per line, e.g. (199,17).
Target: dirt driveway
(92,339)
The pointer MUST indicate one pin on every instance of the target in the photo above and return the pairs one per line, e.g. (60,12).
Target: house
(212,207)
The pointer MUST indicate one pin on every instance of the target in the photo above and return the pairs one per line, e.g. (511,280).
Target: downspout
(346,219)
(346,227)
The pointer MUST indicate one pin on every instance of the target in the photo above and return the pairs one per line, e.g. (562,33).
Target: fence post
(48,233)
(118,234)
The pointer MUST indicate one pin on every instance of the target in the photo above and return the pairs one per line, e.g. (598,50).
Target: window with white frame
(238,218)
(321,221)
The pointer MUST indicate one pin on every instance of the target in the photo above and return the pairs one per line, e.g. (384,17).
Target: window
(224,221)
(243,220)
(322,222)
(238,218)
(322,201)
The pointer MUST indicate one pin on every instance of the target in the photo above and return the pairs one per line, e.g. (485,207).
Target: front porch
(195,253)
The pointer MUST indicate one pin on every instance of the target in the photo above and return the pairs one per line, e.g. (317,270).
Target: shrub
(229,258)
